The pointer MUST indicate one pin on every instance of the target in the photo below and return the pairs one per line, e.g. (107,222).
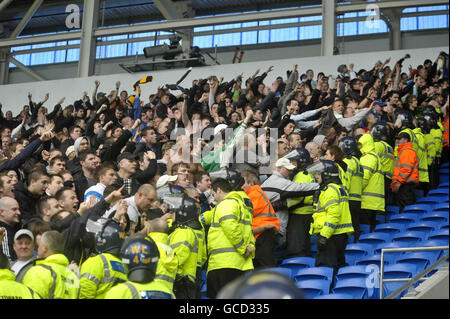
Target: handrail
(410,281)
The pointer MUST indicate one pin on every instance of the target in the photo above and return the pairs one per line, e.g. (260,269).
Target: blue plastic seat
(356,287)
(441,207)
(365,229)
(438,192)
(314,287)
(421,259)
(417,208)
(389,228)
(352,271)
(391,256)
(356,251)
(443,225)
(445,165)
(426,226)
(284,271)
(441,216)
(297,263)
(372,260)
(406,218)
(391,209)
(410,237)
(335,296)
(314,273)
(375,238)
(404,270)
(438,234)
(434,243)
(443,184)
(432,200)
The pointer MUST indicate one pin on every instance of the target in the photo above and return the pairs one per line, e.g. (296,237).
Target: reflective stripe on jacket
(355,176)
(438,140)
(422,156)
(230,233)
(184,243)
(332,212)
(430,146)
(10,289)
(386,154)
(406,168)
(301,205)
(134,290)
(264,217)
(98,274)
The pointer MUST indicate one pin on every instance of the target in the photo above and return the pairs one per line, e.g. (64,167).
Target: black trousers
(218,278)
(425,187)
(298,239)
(355,211)
(388,196)
(445,154)
(334,253)
(265,250)
(183,288)
(405,196)
(369,217)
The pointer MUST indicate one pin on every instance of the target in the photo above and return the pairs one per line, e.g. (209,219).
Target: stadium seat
(445,165)
(440,207)
(432,200)
(434,243)
(391,256)
(443,185)
(314,273)
(391,209)
(438,234)
(389,228)
(284,271)
(375,238)
(419,193)
(438,192)
(297,263)
(356,251)
(421,259)
(356,287)
(314,287)
(411,237)
(443,225)
(426,226)
(441,216)
(365,229)
(405,218)
(397,271)
(335,296)
(352,271)
(372,260)
(417,208)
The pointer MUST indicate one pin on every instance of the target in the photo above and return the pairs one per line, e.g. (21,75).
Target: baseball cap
(284,162)
(25,232)
(126,155)
(163,180)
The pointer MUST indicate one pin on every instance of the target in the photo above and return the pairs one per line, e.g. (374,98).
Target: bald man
(9,225)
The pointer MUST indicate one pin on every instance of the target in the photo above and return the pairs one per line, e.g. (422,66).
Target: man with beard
(86,177)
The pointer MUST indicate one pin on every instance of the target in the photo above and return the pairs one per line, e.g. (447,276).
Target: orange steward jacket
(264,217)
(406,168)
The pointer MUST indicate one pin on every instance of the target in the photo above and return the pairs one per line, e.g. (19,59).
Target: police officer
(424,179)
(386,153)
(430,147)
(332,219)
(185,243)
(230,241)
(50,277)
(140,257)
(298,238)
(372,195)
(9,288)
(101,272)
(158,231)
(349,147)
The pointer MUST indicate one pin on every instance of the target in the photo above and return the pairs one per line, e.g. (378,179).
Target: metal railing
(409,281)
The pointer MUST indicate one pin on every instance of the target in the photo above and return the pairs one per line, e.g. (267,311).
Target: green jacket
(301,205)
(355,176)
(422,156)
(185,244)
(386,154)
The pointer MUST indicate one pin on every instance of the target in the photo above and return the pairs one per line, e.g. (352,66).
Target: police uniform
(10,289)
(229,235)
(355,176)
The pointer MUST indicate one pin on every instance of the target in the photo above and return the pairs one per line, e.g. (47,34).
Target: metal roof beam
(23,23)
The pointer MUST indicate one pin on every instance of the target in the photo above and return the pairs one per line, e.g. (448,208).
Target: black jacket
(8,241)
(27,202)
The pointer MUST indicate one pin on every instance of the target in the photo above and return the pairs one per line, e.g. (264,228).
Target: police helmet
(185,208)
(262,284)
(140,256)
(169,189)
(300,155)
(432,121)
(423,124)
(429,110)
(327,169)
(404,119)
(110,237)
(231,175)
(379,132)
(349,146)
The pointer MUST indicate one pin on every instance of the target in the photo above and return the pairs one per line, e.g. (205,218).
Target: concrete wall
(14,96)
